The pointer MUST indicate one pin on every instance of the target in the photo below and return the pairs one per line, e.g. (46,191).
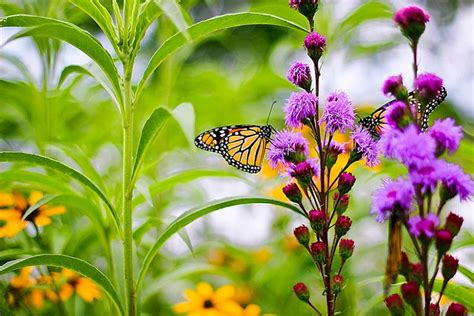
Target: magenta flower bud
(343,224)
(449,268)
(444,239)
(416,274)
(346,248)
(315,45)
(412,21)
(405,266)
(394,86)
(453,223)
(337,284)
(411,295)
(394,304)
(287,148)
(398,116)
(301,291)
(318,251)
(303,173)
(342,202)
(293,192)
(299,74)
(456,309)
(346,181)
(334,150)
(317,219)
(434,310)
(302,235)
(427,87)
(423,228)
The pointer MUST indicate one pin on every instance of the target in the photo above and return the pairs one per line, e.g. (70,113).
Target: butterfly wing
(374,122)
(425,115)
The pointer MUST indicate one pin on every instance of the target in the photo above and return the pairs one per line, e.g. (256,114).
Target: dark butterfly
(242,146)
(375,121)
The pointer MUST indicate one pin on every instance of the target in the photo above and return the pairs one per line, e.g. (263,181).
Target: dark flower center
(208,304)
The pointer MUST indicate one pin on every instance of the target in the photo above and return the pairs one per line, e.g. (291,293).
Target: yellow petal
(34,197)
(12,228)
(36,298)
(20,201)
(6,199)
(55,210)
(68,273)
(224,293)
(42,220)
(87,289)
(183,307)
(10,214)
(229,307)
(252,310)
(191,295)
(66,292)
(204,290)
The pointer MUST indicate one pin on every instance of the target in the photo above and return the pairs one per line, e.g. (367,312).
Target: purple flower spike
(423,227)
(446,134)
(393,196)
(315,45)
(366,146)
(455,182)
(300,107)
(287,147)
(338,113)
(299,74)
(428,86)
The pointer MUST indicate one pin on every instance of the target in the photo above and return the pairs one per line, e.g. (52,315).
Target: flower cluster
(409,202)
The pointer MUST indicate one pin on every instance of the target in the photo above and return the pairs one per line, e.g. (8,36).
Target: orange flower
(73,282)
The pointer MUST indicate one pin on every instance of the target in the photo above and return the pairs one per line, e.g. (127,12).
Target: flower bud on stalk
(394,86)
(306,7)
(301,291)
(398,116)
(303,173)
(346,248)
(346,181)
(449,268)
(318,251)
(299,74)
(343,224)
(427,87)
(342,202)
(456,309)
(338,282)
(318,220)
(302,235)
(416,272)
(394,304)
(453,223)
(444,240)
(293,193)
(315,45)
(334,150)
(411,295)
(412,21)
(434,310)
(405,266)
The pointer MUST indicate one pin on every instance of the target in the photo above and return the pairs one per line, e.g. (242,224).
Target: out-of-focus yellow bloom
(290,244)
(73,282)
(243,295)
(204,301)
(217,257)
(14,206)
(262,255)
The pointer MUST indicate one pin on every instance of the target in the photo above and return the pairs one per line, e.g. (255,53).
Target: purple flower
(296,3)
(306,7)
(446,134)
(315,165)
(300,107)
(338,113)
(366,146)
(455,182)
(315,45)
(397,115)
(387,143)
(393,85)
(299,74)
(409,15)
(393,196)
(426,176)
(423,227)
(287,147)
(428,86)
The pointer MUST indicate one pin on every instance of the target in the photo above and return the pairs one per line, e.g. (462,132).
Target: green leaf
(38,180)
(457,293)
(150,131)
(190,216)
(148,12)
(45,200)
(16,253)
(467,273)
(78,265)
(370,10)
(205,28)
(184,115)
(70,33)
(63,169)
(172,10)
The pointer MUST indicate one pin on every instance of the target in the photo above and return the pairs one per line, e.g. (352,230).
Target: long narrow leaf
(190,216)
(78,265)
(457,293)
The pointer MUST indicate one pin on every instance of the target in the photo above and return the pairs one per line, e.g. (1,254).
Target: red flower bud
(456,309)
(450,267)
(338,282)
(444,240)
(346,181)
(411,295)
(405,266)
(302,235)
(301,291)
(394,304)
(343,224)
(412,21)
(306,7)
(453,223)
(303,172)
(346,248)
(292,192)
(416,272)
(317,219)
(342,202)
(318,251)
(434,310)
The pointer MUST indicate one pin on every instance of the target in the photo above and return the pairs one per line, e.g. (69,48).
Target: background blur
(233,77)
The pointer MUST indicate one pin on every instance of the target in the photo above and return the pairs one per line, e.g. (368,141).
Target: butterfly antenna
(269,113)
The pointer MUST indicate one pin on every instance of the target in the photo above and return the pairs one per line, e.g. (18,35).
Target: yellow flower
(251,310)
(262,255)
(73,282)
(14,206)
(204,301)
(23,279)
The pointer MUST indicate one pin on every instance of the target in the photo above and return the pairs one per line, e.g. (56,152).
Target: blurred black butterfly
(375,121)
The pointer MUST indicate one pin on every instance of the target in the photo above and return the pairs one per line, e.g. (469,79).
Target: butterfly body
(242,146)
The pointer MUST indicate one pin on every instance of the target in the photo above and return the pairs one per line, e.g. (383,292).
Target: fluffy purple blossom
(428,85)
(423,227)
(300,107)
(315,41)
(285,146)
(314,163)
(299,74)
(338,113)
(446,134)
(393,196)
(365,145)
(426,176)
(411,14)
(392,85)
(455,180)
(397,115)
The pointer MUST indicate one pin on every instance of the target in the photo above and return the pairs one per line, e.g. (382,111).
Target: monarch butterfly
(242,146)
(374,122)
